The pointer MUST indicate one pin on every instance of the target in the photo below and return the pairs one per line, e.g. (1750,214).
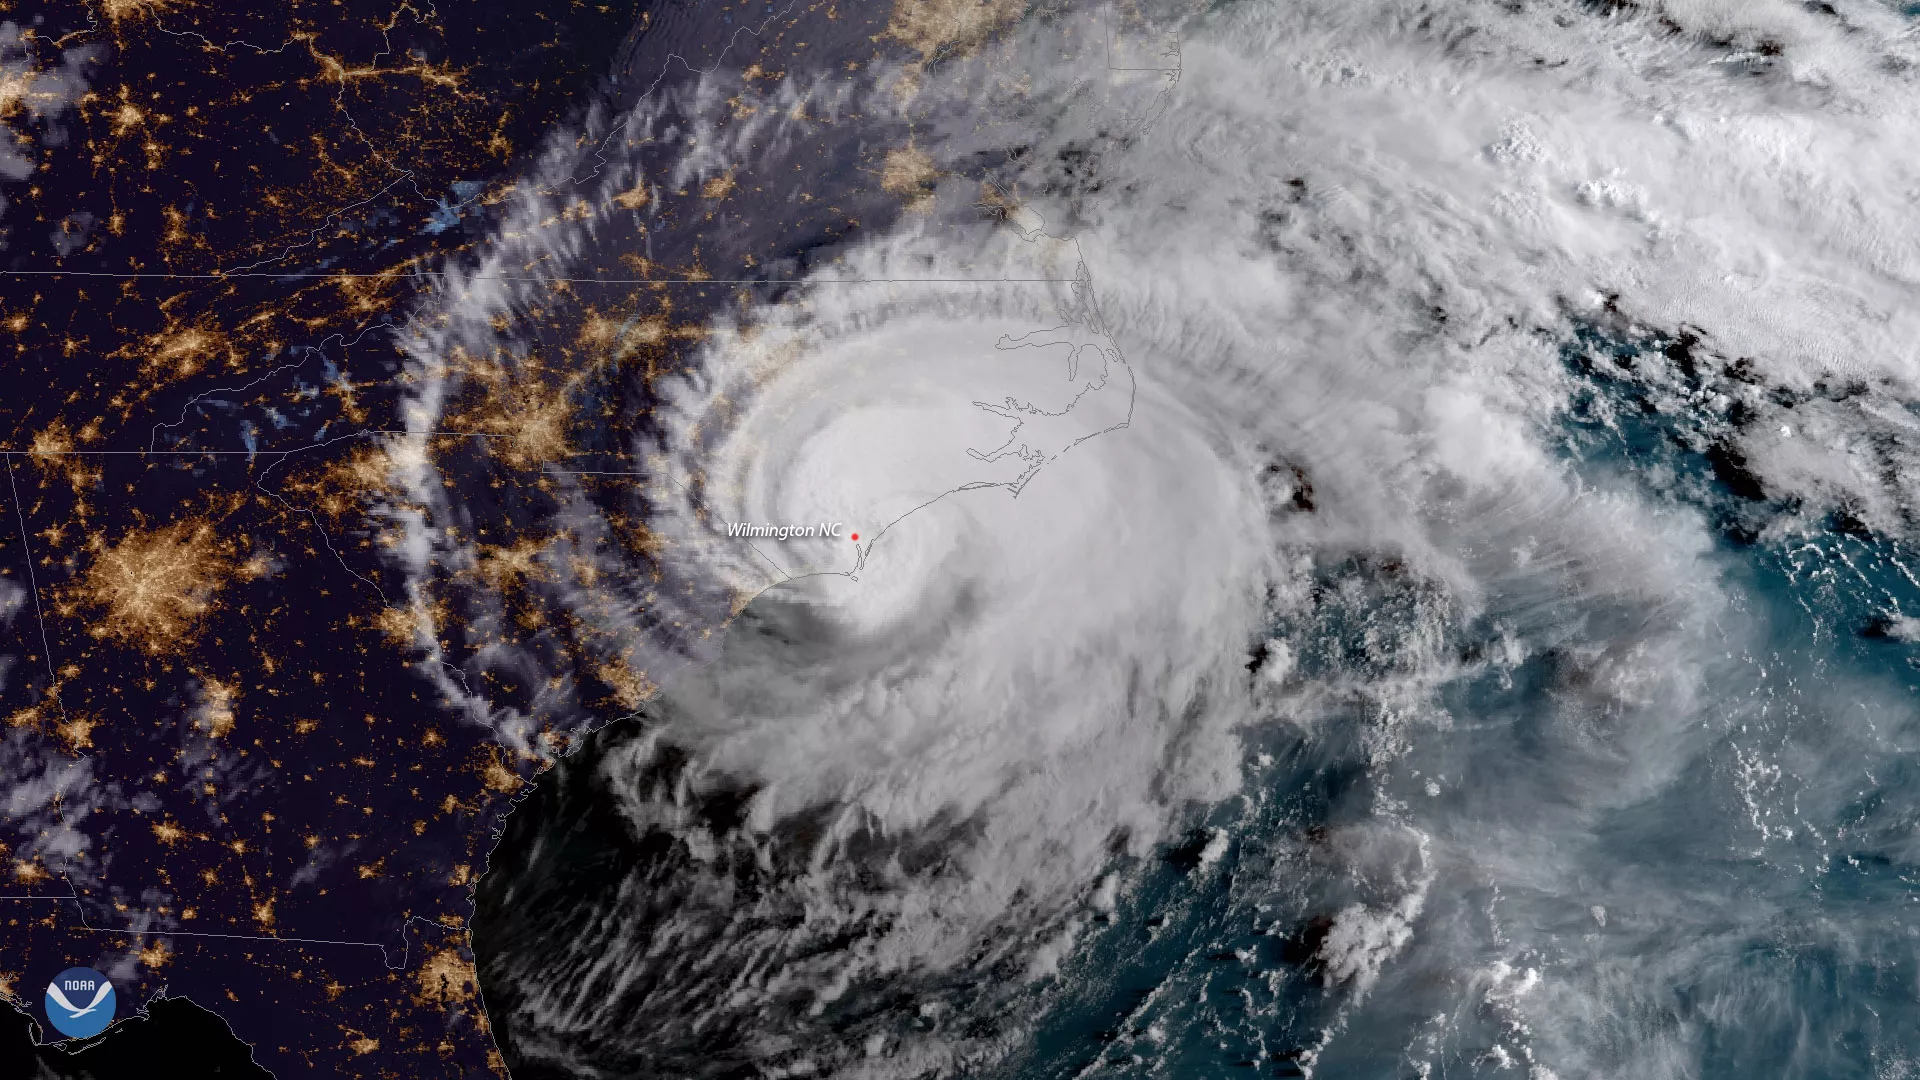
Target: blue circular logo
(80,1002)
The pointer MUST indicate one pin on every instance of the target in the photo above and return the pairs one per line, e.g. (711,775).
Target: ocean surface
(1747,912)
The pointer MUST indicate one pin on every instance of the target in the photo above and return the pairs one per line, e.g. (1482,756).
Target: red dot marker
(856,536)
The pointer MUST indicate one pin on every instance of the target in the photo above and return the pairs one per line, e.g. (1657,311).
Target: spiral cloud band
(1299,470)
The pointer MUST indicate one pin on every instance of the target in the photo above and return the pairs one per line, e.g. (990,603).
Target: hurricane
(1337,539)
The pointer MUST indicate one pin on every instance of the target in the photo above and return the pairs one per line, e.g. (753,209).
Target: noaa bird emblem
(80,1002)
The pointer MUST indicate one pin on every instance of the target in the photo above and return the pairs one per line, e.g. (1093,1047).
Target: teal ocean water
(1723,891)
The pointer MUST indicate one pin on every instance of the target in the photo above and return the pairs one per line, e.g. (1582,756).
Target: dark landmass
(176,1037)
(224,721)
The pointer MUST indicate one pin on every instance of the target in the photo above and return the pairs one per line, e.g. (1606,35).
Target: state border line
(386,958)
(368,433)
(33,585)
(126,275)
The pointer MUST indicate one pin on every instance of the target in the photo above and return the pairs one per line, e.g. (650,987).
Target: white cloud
(35,88)
(1356,243)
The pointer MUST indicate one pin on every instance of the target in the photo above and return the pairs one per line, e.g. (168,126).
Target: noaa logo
(80,1002)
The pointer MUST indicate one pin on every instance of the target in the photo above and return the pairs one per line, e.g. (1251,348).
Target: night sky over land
(236,784)
(1365,538)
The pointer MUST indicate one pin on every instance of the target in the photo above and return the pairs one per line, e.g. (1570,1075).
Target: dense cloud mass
(1373,400)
